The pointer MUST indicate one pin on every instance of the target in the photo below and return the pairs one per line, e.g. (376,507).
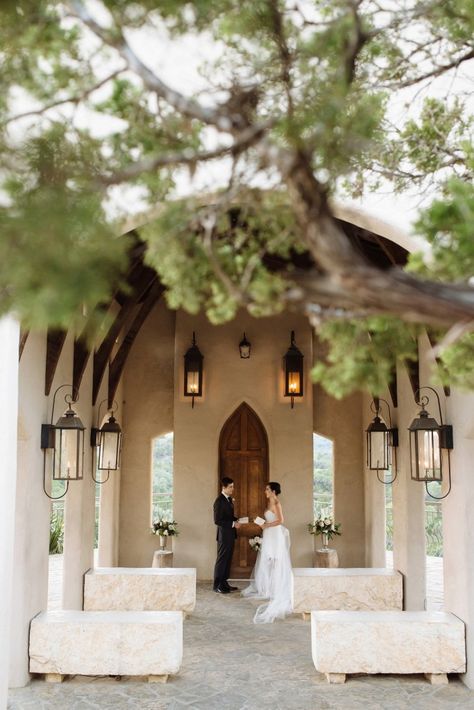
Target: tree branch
(70,99)
(437,71)
(191,108)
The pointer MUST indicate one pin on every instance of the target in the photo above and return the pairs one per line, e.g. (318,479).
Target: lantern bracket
(445,433)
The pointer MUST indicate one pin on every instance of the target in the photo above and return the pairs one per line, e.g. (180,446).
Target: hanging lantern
(68,458)
(381,441)
(193,371)
(244,348)
(110,441)
(293,371)
(427,440)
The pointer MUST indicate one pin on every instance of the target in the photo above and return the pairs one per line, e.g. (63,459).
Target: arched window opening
(323,474)
(162,477)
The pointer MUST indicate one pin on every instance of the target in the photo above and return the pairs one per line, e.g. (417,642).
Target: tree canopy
(290,104)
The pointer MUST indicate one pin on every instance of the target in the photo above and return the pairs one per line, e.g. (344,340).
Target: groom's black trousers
(226,534)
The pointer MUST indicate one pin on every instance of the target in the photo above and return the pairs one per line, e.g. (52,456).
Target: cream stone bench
(429,642)
(144,643)
(140,589)
(351,589)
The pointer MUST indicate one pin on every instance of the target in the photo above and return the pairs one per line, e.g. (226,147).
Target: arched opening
(243,456)
(162,477)
(323,474)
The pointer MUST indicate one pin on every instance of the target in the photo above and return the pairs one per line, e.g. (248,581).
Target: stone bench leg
(437,678)
(157,678)
(54,677)
(335,677)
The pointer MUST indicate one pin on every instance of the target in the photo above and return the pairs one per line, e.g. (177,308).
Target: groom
(227,526)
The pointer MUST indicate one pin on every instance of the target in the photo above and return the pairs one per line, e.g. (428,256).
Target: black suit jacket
(223,518)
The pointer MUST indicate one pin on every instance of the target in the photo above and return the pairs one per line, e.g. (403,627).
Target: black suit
(226,534)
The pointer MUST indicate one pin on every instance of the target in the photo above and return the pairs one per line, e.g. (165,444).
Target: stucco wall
(147,413)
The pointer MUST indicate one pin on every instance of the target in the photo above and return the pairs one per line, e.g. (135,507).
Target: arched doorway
(243,455)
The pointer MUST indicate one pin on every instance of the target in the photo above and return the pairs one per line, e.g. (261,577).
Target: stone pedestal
(162,558)
(140,589)
(326,558)
(346,588)
(387,642)
(106,643)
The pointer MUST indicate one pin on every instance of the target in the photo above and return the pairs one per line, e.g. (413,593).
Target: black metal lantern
(293,371)
(107,442)
(381,440)
(244,348)
(427,440)
(66,439)
(193,371)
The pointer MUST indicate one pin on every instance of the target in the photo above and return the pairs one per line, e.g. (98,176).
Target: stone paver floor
(231,664)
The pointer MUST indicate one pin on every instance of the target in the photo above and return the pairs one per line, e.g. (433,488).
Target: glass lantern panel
(68,454)
(109,450)
(192,382)
(378,450)
(294,383)
(429,455)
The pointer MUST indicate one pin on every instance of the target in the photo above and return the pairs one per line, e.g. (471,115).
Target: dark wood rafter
(54,345)
(23,338)
(392,387)
(139,279)
(118,363)
(432,339)
(81,356)
(413,370)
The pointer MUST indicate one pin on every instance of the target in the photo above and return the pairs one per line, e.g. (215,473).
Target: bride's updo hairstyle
(275,487)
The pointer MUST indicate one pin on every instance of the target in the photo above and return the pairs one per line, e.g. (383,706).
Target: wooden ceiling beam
(118,363)
(54,344)
(392,387)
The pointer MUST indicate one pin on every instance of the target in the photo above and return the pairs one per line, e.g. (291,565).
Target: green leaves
(362,354)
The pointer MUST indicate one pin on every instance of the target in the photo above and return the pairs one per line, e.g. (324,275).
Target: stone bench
(140,589)
(429,642)
(350,589)
(144,643)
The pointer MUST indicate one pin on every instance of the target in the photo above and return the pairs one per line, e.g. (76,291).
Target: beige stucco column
(9,339)
(458,522)
(80,511)
(374,496)
(32,514)
(408,506)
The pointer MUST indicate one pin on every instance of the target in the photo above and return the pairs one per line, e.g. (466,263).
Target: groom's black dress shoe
(231,589)
(219,590)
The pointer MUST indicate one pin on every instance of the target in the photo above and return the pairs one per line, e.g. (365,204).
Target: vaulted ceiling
(132,305)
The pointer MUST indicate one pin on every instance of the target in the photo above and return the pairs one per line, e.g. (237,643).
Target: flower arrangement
(165,528)
(255,543)
(324,525)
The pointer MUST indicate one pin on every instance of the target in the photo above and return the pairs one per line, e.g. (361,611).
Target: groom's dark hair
(226,481)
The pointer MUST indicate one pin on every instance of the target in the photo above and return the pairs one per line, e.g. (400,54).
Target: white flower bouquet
(255,543)
(324,525)
(165,528)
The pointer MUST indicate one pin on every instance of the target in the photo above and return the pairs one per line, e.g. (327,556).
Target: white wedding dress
(272,575)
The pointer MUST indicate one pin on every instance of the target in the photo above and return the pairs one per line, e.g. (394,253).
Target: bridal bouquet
(324,525)
(255,543)
(164,527)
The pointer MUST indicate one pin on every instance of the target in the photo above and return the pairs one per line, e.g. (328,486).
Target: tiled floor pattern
(231,664)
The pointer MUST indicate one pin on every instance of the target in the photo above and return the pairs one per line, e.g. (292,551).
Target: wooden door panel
(243,455)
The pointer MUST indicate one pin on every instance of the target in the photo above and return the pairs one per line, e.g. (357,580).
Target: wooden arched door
(243,455)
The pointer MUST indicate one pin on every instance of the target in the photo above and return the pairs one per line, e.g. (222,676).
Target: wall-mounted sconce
(382,442)
(427,441)
(193,372)
(244,348)
(293,371)
(66,439)
(107,442)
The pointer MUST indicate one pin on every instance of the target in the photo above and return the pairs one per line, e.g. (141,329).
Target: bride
(272,576)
